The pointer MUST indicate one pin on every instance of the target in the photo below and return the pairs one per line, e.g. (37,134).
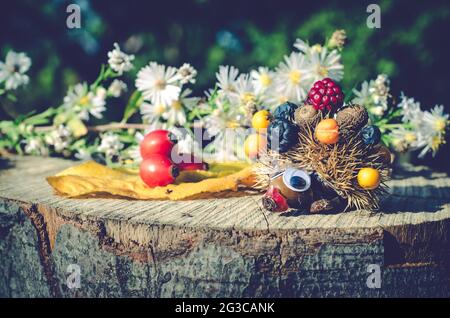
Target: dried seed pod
(352,117)
(326,205)
(306,115)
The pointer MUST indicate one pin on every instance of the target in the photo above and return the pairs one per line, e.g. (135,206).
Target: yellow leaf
(91,178)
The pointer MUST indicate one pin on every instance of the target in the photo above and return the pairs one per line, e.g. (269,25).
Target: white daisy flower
(219,120)
(273,98)
(226,79)
(410,109)
(186,74)
(380,91)
(337,40)
(403,139)
(362,96)
(306,49)
(157,83)
(374,95)
(35,146)
(302,46)
(13,70)
(110,145)
(175,113)
(119,61)
(436,119)
(83,154)
(431,143)
(80,100)
(324,64)
(60,138)
(244,90)
(433,127)
(262,79)
(152,113)
(293,77)
(117,88)
(134,152)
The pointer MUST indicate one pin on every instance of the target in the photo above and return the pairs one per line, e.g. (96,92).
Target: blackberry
(371,135)
(326,95)
(285,111)
(281,135)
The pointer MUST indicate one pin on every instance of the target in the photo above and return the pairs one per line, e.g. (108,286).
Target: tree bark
(221,247)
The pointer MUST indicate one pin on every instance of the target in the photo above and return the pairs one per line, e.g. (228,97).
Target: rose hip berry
(326,95)
(158,170)
(157,142)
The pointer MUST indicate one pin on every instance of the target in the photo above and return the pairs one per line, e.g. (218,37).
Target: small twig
(99,128)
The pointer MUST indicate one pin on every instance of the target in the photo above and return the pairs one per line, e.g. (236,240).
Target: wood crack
(38,221)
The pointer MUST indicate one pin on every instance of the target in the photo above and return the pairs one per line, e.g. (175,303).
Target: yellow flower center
(160,84)
(159,109)
(265,80)
(322,70)
(232,124)
(410,138)
(440,124)
(436,142)
(295,76)
(84,100)
(282,99)
(247,97)
(230,88)
(176,105)
(317,48)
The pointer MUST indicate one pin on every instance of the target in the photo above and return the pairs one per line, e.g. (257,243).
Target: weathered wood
(221,247)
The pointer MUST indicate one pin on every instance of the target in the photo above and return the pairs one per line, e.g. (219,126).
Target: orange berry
(254,144)
(327,131)
(261,119)
(369,178)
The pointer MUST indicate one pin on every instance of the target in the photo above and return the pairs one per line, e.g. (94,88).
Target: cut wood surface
(268,251)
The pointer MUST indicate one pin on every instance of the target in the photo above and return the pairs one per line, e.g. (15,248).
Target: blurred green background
(411,46)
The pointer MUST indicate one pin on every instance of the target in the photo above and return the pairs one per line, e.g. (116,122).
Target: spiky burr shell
(337,166)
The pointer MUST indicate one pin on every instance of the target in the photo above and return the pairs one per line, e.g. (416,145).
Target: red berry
(190,162)
(326,95)
(157,142)
(158,170)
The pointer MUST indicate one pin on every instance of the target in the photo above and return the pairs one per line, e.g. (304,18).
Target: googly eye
(297,180)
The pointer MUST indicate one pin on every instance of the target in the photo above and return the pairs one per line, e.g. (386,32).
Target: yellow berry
(368,178)
(254,144)
(327,131)
(261,119)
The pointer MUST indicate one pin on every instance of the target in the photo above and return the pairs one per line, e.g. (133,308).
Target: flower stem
(99,128)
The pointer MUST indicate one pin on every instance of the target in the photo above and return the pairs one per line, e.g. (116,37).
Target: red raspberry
(326,95)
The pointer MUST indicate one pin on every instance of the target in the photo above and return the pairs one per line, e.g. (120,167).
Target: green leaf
(41,118)
(133,104)
(11,97)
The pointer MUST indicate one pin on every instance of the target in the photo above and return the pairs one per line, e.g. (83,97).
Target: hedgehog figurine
(323,168)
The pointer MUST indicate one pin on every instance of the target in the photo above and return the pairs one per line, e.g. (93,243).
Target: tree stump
(54,246)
